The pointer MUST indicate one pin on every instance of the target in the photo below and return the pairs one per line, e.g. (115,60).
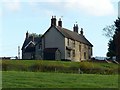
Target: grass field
(18,79)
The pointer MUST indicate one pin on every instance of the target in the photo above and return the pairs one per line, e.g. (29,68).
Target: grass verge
(18,79)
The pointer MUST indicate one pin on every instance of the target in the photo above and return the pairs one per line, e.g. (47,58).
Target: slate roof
(27,41)
(73,35)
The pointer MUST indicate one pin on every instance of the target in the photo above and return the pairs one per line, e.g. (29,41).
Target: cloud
(13,5)
(115,1)
(92,7)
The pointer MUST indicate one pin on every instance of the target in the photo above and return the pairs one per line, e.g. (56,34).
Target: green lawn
(19,79)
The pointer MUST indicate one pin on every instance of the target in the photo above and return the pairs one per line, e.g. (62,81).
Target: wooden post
(79,70)
(55,69)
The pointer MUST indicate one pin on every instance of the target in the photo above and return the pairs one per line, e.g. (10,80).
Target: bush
(98,68)
(60,66)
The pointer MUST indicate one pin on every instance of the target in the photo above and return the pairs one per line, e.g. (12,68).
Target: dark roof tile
(36,39)
(73,35)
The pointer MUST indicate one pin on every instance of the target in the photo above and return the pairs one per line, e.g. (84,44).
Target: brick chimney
(53,20)
(75,28)
(27,35)
(81,32)
(60,22)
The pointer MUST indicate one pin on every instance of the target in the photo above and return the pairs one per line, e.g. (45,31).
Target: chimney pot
(81,32)
(27,35)
(53,21)
(75,28)
(60,22)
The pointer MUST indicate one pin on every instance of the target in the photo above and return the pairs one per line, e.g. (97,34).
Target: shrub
(60,66)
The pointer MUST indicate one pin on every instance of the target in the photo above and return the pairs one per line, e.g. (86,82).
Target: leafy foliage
(112,32)
(117,24)
(117,39)
(111,49)
(109,32)
(35,35)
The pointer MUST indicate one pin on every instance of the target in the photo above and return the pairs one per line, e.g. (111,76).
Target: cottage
(63,44)
(58,43)
(28,48)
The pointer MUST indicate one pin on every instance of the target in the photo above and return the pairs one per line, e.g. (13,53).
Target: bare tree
(109,31)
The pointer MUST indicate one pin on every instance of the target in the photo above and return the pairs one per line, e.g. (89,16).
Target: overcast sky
(19,16)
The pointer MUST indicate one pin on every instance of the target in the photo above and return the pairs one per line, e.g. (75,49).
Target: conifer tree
(117,39)
(113,32)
